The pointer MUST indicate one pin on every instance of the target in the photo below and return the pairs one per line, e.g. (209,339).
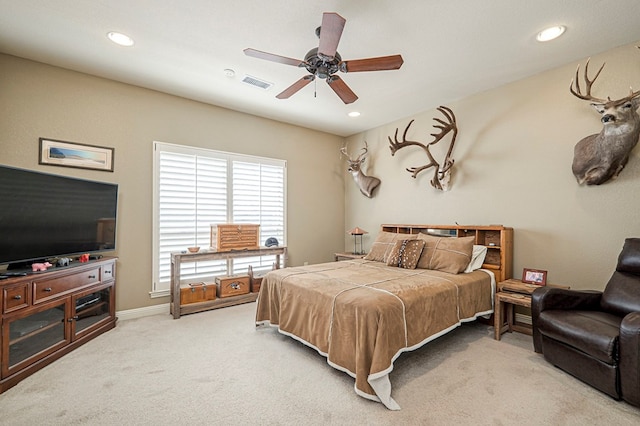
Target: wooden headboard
(497,238)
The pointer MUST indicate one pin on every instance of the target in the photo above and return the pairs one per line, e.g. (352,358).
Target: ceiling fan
(324,61)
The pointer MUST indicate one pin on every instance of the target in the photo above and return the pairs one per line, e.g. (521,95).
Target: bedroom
(513,157)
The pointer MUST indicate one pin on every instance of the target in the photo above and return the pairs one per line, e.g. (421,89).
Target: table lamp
(357,232)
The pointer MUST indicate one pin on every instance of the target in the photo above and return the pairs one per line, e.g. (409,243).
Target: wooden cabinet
(497,238)
(178,259)
(47,314)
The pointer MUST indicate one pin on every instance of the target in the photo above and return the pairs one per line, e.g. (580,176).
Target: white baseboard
(526,319)
(142,312)
(164,309)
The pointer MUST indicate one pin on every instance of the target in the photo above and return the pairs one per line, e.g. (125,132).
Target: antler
(588,97)
(445,128)
(343,151)
(632,94)
(365,150)
(578,92)
(395,144)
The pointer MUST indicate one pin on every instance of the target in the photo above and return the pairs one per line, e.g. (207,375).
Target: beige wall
(37,100)
(513,167)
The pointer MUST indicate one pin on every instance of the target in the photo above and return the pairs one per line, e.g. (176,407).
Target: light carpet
(215,368)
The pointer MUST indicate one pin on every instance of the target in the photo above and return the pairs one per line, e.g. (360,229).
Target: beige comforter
(362,315)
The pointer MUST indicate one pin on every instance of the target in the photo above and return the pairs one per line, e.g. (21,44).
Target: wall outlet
(306,263)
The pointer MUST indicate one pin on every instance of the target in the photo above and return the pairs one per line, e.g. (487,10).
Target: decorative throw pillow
(406,253)
(383,244)
(446,254)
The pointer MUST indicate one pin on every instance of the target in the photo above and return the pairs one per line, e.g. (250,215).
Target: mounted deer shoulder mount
(600,157)
(366,183)
(441,172)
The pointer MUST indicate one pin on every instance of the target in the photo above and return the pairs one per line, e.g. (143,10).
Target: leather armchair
(595,335)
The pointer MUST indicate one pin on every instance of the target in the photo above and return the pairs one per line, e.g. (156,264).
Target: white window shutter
(196,188)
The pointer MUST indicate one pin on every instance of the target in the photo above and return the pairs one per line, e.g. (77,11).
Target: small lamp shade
(357,231)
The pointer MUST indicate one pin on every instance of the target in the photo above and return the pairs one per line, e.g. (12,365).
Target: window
(194,188)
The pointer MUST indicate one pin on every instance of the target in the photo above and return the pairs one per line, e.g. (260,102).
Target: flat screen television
(45,216)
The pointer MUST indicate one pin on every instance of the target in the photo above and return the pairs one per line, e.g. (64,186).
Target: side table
(506,301)
(347,256)
(510,293)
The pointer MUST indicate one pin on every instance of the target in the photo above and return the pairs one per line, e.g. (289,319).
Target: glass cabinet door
(91,308)
(29,338)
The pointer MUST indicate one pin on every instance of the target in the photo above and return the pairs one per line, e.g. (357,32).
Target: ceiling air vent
(253,81)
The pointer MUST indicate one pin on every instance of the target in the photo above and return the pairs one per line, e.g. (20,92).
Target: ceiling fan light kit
(324,61)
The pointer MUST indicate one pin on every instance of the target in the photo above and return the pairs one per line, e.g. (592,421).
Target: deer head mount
(442,171)
(600,157)
(366,183)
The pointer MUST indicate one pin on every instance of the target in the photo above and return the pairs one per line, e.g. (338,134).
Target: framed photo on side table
(534,276)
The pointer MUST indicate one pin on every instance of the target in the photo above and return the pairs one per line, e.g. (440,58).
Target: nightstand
(506,301)
(348,256)
(512,293)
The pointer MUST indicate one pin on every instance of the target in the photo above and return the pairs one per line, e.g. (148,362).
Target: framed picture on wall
(71,154)
(534,276)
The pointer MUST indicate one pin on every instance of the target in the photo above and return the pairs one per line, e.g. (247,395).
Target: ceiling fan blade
(274,58)
(392,62)
(342,90)
(330,33)
(291,90)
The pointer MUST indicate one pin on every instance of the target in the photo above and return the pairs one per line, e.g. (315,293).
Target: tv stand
(45,315)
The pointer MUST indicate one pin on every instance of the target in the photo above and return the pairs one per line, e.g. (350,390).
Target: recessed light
(119,38)
(550,33)
(354,114)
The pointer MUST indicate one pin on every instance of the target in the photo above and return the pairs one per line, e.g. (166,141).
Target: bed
(361,314)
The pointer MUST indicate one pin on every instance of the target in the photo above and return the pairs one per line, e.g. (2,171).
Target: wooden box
(242,236)
(232,286)
(255,283)
(197,292)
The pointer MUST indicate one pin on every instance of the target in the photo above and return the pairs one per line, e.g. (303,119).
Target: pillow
(383,244)
(406,253)
(477,258)
(446,254)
